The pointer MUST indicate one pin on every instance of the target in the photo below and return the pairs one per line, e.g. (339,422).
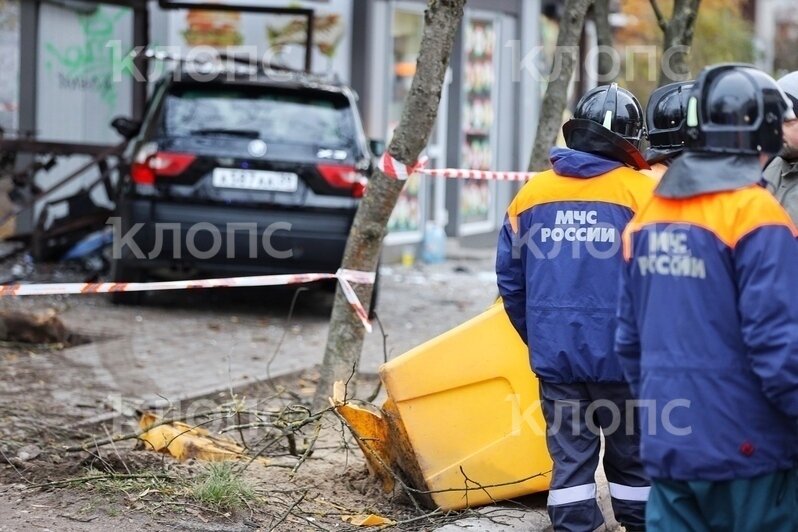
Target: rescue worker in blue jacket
(558,265)
(665,113)
(708,319)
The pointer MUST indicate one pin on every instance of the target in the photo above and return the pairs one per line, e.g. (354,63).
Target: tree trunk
(678,33)
(606,62)
(556,97)
(345,338)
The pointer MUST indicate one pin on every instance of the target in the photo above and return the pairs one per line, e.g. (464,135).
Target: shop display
(479,77)
(277,38)
(213,28)
(407,216)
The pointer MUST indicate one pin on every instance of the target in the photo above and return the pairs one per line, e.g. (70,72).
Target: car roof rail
(226,63)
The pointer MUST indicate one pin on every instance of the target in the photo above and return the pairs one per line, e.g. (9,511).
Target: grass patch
(220,487)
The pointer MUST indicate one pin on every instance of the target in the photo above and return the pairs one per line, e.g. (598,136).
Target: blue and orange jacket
(559,259)
(708,334)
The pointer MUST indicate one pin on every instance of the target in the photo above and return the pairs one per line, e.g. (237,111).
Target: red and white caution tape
(485,175)
(345,277)
(397,170)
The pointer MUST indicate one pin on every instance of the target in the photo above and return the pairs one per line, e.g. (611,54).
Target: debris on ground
(28,452)
(367,520)
(38,327)
(168,357)
(380,435)
(184,442)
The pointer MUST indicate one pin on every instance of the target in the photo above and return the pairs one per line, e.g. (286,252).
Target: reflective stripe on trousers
(558,497)
(575,447)
(629,493)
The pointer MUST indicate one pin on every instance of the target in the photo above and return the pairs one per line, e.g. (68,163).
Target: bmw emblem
(257,148)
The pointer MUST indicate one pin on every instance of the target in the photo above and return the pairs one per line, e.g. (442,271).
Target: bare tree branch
(565,59)
(678,39)
(662,22)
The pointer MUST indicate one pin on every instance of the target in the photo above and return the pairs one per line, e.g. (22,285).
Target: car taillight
(142,174)
(344,177)
(150,164)
(170,164)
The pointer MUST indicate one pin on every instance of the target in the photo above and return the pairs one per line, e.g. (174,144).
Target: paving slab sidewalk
(188,344)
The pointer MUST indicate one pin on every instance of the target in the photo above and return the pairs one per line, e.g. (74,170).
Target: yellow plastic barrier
(468,404)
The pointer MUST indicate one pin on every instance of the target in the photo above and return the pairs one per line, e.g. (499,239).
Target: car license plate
(254,179)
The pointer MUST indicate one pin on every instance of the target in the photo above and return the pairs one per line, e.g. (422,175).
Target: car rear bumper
(216,238)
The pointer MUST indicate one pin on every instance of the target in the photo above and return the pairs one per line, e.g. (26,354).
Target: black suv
(237,176)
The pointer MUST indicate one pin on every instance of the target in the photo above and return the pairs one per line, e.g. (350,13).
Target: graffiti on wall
(9,63)
(88,65)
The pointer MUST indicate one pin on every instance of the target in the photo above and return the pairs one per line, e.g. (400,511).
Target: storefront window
(408,25)
(479,78)
(9,64)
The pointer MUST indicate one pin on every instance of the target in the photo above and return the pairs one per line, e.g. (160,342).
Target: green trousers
(768,503)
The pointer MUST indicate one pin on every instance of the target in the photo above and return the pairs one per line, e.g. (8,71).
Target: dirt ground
(196,350)
(46,488)
(193,350)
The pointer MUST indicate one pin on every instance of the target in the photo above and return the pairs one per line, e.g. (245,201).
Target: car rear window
(301,116)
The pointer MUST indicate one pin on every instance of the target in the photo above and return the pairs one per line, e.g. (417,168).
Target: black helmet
(665,114)
(736,109)
(789,84)
(608,121)
(614,108)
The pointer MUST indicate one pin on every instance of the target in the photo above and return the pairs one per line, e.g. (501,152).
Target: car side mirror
(377,147)
(126,127)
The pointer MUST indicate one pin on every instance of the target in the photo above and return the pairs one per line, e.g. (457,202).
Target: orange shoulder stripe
(622,186)
(729,215)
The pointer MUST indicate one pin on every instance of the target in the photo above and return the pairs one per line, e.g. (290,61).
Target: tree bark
(606,62)
(678,37)
(345,338)
(556,97)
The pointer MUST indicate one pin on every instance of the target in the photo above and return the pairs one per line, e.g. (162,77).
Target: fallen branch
(222,413)
(371,398)
(286,328)
(91,478)
(290,430)
(285,515)
(137,434)
(308,451)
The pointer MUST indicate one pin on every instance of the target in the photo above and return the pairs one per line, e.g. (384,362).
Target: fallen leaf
(367,520)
